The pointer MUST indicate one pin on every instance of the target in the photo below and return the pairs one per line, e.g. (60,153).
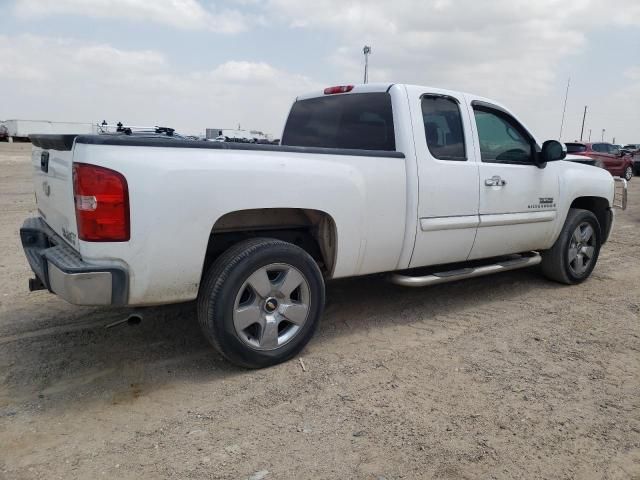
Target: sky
(196,64)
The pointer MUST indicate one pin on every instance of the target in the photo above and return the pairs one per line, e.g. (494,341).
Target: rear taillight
(102,204)
(338,89)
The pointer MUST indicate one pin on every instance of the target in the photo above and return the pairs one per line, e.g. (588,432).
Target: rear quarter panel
(177,195)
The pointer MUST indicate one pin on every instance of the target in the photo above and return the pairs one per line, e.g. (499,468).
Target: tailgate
(52,162)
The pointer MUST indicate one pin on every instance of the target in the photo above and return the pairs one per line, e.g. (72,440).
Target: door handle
(495,181)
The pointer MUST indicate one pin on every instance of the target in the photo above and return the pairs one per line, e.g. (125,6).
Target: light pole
(367,51)
(584,116)
(602,139)
(564,109)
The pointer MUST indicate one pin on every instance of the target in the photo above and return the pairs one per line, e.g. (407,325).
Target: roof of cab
(357,88)
(385,87)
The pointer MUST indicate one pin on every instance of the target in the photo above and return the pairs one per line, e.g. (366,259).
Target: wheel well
(312,230)
(600,208)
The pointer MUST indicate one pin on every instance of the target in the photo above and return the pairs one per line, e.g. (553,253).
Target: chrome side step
(524,261)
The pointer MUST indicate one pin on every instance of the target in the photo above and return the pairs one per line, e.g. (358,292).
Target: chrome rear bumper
(62,271)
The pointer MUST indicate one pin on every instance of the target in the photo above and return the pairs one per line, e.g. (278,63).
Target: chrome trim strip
(494,220)
(449,223)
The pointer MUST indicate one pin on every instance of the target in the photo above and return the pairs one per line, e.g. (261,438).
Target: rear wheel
(575,253)
(261,302)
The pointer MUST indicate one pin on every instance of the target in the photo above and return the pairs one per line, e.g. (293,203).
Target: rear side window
(362,121)
(575,147)
(443,128)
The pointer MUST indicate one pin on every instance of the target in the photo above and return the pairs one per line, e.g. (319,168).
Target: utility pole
(367,51)
(566,94)
(584,115)
(614,140)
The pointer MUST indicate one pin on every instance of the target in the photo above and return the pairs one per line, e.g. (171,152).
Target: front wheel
(628,173)
(261,302)
(575,253)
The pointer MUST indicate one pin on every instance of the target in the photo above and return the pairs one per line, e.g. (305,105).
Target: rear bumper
(63,272)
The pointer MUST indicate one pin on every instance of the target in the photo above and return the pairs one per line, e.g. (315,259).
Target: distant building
(21,129)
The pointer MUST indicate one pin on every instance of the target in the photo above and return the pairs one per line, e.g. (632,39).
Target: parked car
(606,155)
(632,148)
(429,185)
(634,151)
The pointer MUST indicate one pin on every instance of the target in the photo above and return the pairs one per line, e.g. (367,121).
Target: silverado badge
(543,202)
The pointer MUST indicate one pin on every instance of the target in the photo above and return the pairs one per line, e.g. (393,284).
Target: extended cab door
(447,177)
(517,199)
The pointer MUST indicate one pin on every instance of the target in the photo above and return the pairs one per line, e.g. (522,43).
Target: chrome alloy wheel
(271,307)
(581,248)
(628,173)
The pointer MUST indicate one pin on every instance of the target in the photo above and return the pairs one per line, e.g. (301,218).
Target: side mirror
(552,150)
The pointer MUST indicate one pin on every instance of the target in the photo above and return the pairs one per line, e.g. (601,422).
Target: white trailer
(236,134)
(21,129)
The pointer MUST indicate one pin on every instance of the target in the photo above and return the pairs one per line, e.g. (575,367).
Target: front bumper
(63,272)
(620,193)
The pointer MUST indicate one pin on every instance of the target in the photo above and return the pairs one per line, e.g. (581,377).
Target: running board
(524,261)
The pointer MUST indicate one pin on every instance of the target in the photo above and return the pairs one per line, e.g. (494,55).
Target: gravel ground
(508,376)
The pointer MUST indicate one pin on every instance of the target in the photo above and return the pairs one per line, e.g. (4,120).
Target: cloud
(182,14)
(64,79)
(510,50)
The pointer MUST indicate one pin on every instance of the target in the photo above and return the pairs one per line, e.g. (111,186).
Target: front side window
(443,128)
(362,121)
(614,150)
(599,147)
(502,139)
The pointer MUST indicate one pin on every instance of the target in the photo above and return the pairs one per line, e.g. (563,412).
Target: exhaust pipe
(134,318)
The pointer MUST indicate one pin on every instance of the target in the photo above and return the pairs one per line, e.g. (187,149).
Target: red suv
(606,156)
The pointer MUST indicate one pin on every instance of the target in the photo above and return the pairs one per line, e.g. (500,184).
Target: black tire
(555,261)
(628,173)
(222,284)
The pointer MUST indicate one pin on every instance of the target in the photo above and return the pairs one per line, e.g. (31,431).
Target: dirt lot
(505,377)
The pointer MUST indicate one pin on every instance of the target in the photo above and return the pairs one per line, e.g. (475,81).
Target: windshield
(362,121)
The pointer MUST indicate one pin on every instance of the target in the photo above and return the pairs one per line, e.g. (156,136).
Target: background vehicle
(634,151)
(607,156)
(632,148)
(431,184)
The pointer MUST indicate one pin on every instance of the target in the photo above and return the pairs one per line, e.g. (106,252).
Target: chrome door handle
(495,181)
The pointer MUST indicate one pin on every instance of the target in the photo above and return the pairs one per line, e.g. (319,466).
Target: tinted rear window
(443,128)
(361,121)
(575,147)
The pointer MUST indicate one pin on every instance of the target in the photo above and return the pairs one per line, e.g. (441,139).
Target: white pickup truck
(430,185)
